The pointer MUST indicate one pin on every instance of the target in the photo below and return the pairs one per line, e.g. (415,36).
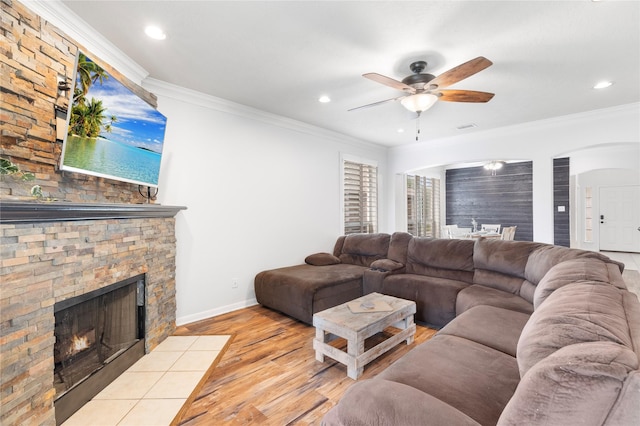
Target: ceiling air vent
(467,126)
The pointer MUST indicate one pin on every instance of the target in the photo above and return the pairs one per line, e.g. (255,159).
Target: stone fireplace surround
(54,251)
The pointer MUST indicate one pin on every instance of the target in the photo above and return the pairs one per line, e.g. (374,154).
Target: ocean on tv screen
(113,159)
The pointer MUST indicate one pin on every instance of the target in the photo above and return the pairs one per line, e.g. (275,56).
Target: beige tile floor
(152,391)
(631,260)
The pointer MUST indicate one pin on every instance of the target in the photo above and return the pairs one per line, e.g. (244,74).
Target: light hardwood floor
(268,374)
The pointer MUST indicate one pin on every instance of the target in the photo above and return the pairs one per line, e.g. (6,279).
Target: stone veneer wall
(33,55)
(44,263)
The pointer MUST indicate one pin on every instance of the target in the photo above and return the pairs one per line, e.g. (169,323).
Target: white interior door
(620,218)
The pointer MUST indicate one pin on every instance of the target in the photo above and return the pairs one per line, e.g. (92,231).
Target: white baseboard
(217,311)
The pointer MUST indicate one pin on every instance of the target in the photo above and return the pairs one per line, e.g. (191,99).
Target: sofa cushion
(626,411)
(577,385)
(547,256)
(506,257)
(576,313)
(321,259)
(476,295)
(367,403)
(398,246)
(302,290)
(490,326)
(363,249)
(441,258)
(501,265)
(569,272)
(475,379)
(337,247)
(435,297)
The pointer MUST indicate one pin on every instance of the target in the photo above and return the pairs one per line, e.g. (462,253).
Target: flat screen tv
(111,131)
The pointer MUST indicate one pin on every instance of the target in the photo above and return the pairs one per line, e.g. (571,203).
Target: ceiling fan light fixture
(419,102)
(494,165)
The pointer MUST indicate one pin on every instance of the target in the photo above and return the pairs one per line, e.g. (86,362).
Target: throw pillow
(321,259)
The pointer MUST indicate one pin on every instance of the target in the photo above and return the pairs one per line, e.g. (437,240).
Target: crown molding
(193,97)
(58,14)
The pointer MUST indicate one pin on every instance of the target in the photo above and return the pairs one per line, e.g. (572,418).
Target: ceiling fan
(423,90)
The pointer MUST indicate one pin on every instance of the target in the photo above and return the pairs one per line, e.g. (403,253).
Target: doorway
(619,218)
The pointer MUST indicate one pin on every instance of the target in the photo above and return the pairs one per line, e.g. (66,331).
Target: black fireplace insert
(98,335)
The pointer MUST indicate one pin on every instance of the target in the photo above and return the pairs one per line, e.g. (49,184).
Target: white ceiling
(280,56)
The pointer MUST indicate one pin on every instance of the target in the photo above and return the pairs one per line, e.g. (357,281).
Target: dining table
(485,234)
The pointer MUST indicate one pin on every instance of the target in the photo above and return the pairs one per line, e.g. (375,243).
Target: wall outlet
(234,283)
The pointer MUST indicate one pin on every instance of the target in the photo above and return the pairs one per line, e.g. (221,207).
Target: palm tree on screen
(88,73)
(87,116)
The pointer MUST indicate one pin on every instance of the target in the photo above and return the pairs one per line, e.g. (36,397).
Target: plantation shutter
(423,206)
(360,198)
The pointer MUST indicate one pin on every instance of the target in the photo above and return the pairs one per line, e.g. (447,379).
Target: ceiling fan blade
(387,81)
(465,96)
(460,72)
(377,103)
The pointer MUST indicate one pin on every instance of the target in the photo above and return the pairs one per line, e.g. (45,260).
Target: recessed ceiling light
(155,32)
(603,84)
(400,130)
(324,99)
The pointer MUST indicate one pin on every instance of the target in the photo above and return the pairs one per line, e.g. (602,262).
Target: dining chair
(491,228)
(449,231)
(463,233)
(509,232)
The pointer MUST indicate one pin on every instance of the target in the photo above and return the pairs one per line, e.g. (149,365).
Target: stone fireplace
(53,253)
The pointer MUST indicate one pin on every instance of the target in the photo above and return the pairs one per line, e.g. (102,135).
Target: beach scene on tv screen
(112,132)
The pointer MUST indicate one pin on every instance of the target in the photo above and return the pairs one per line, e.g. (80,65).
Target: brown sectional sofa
(532,334)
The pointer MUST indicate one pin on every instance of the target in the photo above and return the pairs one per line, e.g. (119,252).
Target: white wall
(596,179)
(262,192)
(611,156)
(540,142)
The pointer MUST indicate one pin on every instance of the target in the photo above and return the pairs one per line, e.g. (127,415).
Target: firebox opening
(98,335)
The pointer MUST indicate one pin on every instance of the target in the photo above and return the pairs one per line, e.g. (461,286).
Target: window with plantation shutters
(423,206)
(360,198)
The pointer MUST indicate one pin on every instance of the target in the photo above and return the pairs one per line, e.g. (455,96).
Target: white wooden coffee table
(339,321)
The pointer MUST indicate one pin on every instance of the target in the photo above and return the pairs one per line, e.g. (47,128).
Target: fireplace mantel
(34,212)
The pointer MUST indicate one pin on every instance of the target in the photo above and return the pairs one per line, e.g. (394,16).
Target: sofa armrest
(372,279)
(379,402)
(386,265)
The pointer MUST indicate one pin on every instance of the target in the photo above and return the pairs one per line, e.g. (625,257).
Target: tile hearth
(152,391)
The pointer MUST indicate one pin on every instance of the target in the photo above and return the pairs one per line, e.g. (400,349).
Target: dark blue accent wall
(506,198)
(561,231)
